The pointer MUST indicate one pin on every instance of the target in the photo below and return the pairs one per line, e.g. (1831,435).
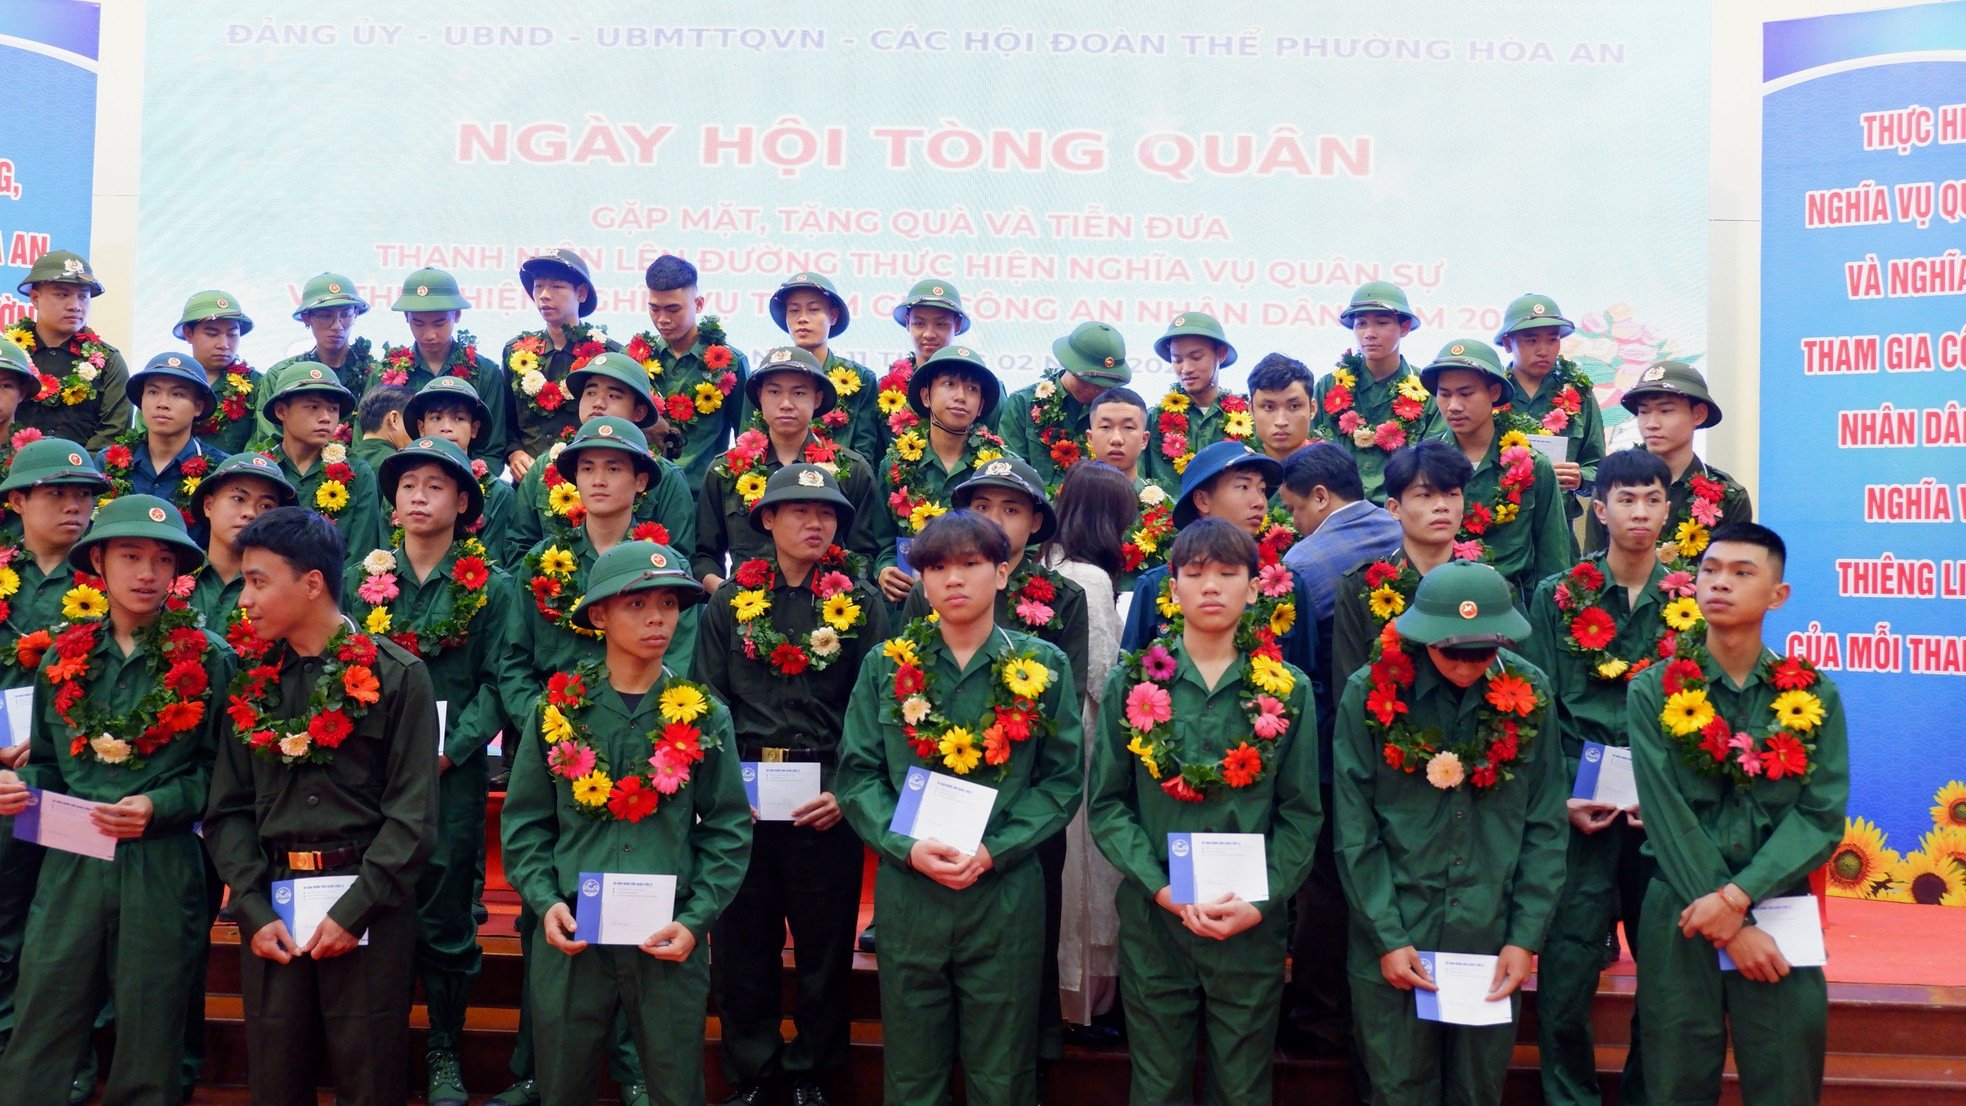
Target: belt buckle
(305,861)
(771,756)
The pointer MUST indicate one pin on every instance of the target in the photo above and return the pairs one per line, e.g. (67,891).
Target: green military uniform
(371,450)
(1206,425)
(493,525)
(370,812)
(14,362)
(436,290)
(1461,869)
(854,419)
(1096,354)
(223,427)
(129,464)
(1353,625)
(724,511)
(1677,378)
(1177,986)
(681,374)
(701,835)
(529,425)
(35,606)
(932,481)
(1765,837)
(137,926)
(359,516)
(325,290)
(94,418)
(1606,872)
(799,876)
(965,964)
(930,292)
(211,594)
(1372,399)
(1585,426)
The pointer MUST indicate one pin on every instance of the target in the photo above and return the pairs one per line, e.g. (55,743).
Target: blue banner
(47,135)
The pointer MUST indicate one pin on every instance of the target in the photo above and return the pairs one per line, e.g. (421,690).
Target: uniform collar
(998,644)
(1185,670)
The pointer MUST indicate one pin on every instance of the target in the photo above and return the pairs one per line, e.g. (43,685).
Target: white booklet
(1796,924)
(1202,867)
(56,821)
(1554,447)
(17,705)
(1464,980)
(947,808)
(1604,775)
(617,908)
(303,901)
(776,789)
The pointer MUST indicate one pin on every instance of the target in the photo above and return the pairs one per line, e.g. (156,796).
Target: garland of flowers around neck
(601,790)
(1409,410)
(1275,610)
(1504,722)
(1589,629)
(84,600)
(1018,679)
(910,456)
(331,497)
(119,463)
(831,585)
(892,396)
(552,567)
(529,350)
(176,649)
(378,592)
(743,464)
(1517,462)
(78,385)
(1177,444)
(235,400)
(398,362)
(1264,688)
(683,404)
(1389,587)
(563,498)
(1145,542)
(1691,534)
(343,693)
(1030,593)
(846,383)
(1063,444)
(1572,383)
(1782,747)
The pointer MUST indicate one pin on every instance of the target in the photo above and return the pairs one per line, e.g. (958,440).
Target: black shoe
(866,943)
(523,1093)
(807,1093)
(479,915)
(754,1093)
(1092,1036)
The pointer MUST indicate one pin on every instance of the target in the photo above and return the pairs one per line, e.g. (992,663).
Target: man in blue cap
(161,456)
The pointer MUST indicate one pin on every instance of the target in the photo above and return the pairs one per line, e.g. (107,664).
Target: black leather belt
(322,860)
(778,754)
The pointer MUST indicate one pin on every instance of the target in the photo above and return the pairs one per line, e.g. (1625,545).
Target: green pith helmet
(304,379)
(208,305)
(432,450)
(240,466)
(48,461)
(430,290)
(636,566)
(1463,603)
(960,359)
(1471,354)
(1533,312)
(612,433)
(1012,473)
(792,359)
(803,483)
(61,267)
(1194,324)
(1094,352)
(933,293)
(811,282)
(443,391)
(560,265)
(1673,378)
(618,367)
(329,290)
(15,360)
(138,516)
(1378,295)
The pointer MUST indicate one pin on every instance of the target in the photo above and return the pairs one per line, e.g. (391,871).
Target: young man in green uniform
(790,394)
(1425,487)
(161,456)
(243,487)
(1734,822)
(448,407)
(1205,732)
(1450,830)
(379,424)
(588,800)
(18,383)
(963,932)
(329,306)
(125,718)
(308,407)
(811,312)
(955,394)
(787,668)
(1514,516)
(1197,412)
(1596,627)
(83,395)
(437,594)
(1046,422)
(432,305)
(537,362)
(1372,402)
(1549,390)
(932,314)
(212,324)
(1118,437)
(1671,402)
(693,366)
(325,768)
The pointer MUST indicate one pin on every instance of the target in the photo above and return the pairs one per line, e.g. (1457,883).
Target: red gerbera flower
(1593,628)
(1241,765)
(329,729)
(789,659)
(717,357)
(471,572)
(1784,756)
(630,801)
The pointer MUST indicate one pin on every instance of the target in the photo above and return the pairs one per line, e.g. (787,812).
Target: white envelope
(1796,924)
(951,810)
(776,789)
(618,908)
(1463,980)
(1202,867)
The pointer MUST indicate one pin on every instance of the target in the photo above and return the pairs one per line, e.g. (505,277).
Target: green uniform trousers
(20,868)
(447,954)
(1604,884)
(1688,1007)
(1192,999)
(959,981)
(577,999)
(129,928)
(1420,1063)
(623,1064)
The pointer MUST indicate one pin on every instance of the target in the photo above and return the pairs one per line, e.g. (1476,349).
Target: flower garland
(553,567)
(1029,594)
(398,362)
(831,585)
(1589,629)
(1782,747)
(470,574)
(743,464)
(1569,398)
(1012,715)
(175,704)
(911,456)
(1692,533)
(572,754)
(846,383)
(234,392)
(1064,445)
(683,407)
(1151,529)
(1274,612)
(119,463)
(1502,722)
(345,690)
(1176,443)
(892,396)
(1517,462)
(1265,683)
(78,385)
(1409,409)
(331,496)
(585,341)
(1389,587)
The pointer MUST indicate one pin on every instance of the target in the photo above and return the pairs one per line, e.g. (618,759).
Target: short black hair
(1276,373)
(1631,468)
(668,273)
(1117,395)
(1212,541)
(1433,462)
(958,534)
(304,539)
(377,403)
(1753,533)
(1326,465)
(449,404)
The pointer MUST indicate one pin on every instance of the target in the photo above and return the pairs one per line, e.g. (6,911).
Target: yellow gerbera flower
(9,582)
(1687,712)
(1026,678)
(592,789)
(1269,674)
(523,361)
(1283,618)
(1167,604)
(682,703)
(1691,537)
(1344,378)
(190,485)
(1146,755)
(83,602)
(562,498)
(985,456)
(1931,880)
(1386,602)
(1514,439)
(1613,668)
(1176,402)
(238,382)
(751,486)
(890,401)
(901,651)
(959,751)
(1411,388)
(557,562)
(708,398)
(378,621)
(1861,864)
(1506,512)
(1146,543)
(1798,711)
(75,395)
(840,611)
(845,381)
(909,446)
(553,724)
(332,495)
(1949,805)
(1682,613)
(919,517)
(747,605)
(1238,424)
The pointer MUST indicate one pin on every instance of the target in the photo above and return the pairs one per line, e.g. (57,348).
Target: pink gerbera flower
(670,771)
(1270,722)
(1157,663)
(1148,706)
(377,590)
(570,760)
(1274,580)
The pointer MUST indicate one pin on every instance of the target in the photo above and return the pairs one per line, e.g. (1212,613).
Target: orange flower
(361,685)
(67,668)
(996,745)
(1511,695)
(29,649)
(1241,765)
